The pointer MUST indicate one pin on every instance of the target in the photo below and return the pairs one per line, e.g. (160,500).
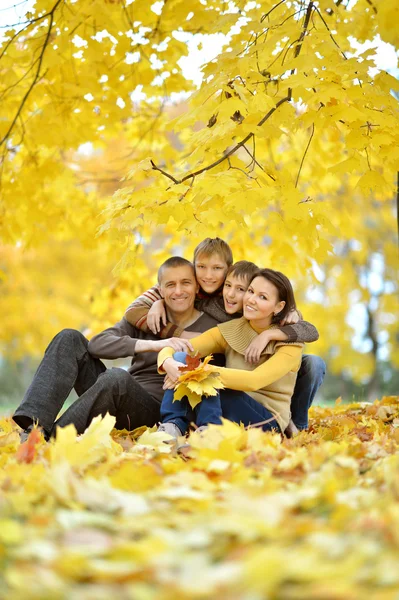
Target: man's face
(178,287)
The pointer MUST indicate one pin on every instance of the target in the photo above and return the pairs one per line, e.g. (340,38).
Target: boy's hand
(171,368)
(156,316)
(255,348)
(292,318)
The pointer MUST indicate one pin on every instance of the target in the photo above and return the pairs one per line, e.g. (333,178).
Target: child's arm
(136,314)
(296,332)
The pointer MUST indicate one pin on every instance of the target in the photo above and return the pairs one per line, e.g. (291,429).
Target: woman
(251,395)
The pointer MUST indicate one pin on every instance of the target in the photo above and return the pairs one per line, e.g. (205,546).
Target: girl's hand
(171,368)
(255,348)
(156,316)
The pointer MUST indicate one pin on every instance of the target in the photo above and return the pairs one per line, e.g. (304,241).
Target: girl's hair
(214,246)
(284,289)
(244,269)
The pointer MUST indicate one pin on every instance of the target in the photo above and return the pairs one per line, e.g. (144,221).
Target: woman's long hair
(284,289)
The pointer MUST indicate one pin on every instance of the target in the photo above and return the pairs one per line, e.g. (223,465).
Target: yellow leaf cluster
(202,381)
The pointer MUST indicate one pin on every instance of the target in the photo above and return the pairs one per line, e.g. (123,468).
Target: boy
(212,259)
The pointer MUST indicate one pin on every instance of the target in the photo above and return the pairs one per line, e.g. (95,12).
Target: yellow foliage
(198,382)
(243,513)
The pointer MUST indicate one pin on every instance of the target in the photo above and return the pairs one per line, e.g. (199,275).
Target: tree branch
(261,122)
(304,155)
(37,74)
(154,166)
(304,29)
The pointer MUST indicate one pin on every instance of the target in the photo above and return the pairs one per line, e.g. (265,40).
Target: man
(132,396)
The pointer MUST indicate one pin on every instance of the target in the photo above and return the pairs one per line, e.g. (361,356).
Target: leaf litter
(244,515)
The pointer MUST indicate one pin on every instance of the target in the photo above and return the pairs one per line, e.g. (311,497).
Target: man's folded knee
(114,376)
(68,334)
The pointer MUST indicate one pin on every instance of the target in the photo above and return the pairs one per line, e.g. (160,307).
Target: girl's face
(210,272)
(233,293)
(261,302)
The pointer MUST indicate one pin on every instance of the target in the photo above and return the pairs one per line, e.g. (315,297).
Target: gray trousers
(68,364)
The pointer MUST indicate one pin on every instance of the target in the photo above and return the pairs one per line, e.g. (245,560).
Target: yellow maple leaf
(202,381)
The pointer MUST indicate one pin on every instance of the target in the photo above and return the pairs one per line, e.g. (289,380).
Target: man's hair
(214,246)
(174,261)
(284,289)
(244,269)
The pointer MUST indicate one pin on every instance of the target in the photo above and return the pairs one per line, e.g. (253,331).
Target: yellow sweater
(271,382)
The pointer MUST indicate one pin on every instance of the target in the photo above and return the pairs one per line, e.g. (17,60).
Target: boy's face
(233,293)
(210,272)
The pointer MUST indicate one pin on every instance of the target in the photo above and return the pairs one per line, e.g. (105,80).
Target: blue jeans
(233,405)
(310,377)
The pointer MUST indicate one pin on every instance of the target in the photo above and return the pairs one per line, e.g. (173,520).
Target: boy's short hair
(243,269)
(214,246)
(174,261)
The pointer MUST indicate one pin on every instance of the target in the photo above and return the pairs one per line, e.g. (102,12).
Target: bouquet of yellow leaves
(197,379)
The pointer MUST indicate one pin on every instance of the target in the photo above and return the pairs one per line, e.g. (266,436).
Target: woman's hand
(255,348)
(168,383)
(171,368)
(156,316)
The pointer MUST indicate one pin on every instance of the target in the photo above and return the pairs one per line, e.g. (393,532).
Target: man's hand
(255,348)
(177,344)
(171,368)
(156,316)
(292,318)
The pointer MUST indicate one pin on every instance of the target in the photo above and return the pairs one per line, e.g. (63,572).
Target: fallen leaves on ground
(247,516)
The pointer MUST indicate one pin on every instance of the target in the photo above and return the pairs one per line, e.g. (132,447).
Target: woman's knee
(314,366)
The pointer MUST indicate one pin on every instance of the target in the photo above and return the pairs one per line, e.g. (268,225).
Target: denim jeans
(310,377)
(233,405)
(240,407)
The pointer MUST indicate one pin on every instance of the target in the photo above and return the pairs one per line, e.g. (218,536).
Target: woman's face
(261,302)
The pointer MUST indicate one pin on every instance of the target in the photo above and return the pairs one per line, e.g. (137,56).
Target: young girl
(252,394)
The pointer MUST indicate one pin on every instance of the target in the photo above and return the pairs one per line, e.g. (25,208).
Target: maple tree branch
(261,122)
(304,155)
(304,29)
(154,166)
(263,17)
(37,74)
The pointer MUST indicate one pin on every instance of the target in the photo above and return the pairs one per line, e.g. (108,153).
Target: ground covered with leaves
(245,515)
